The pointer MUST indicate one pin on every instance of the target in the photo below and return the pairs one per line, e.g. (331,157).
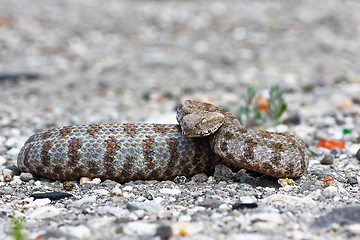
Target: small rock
(357,155)
(165,214)
(2,160)
(8,174)
(310,185)
(127,188)
(38,203)
(211,203)
(243,205)
(352,180)
(148,206)
(187,228)
(102,192)
(44,212)
(51,195)
(211,180)
(286,200)
(96,181)
(164,231)
(223,173)
(171,191)
(85,200)
(13,152)
(354,229)
(329,192)
(116,211)
(140,229)
(80,232)
(26,177)
(180,180)
(328,159)
(69,186)
(293,119)
(200,177)
(339,215)
(84,180)
(117,190)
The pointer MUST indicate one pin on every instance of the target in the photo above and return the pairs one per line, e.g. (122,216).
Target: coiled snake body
(208,136)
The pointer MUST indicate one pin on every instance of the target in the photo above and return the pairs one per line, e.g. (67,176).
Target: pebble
(81,231)
(26,177)
(328,159)
(149,206)
(44,212)
(8,174)
(286,200)
(69,186)
(38,203)
(171,191)
(85,200)
(187,228)
(211,203)
(102,192)
(357,155)
(164,231)
(223,173)
(200,177)
(339,215)
(140,229)
(84,180)
(329,192)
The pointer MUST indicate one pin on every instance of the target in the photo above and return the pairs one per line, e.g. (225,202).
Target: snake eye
(203,121)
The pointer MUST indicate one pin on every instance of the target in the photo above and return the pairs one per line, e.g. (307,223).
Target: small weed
(257,109)
(276,103)
(17,228)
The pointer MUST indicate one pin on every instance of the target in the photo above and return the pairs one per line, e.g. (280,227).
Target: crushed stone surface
(77,62)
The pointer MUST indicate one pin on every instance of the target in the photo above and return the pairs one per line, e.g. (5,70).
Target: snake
(207,135)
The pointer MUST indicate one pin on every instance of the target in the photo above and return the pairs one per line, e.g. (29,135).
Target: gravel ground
(76,62)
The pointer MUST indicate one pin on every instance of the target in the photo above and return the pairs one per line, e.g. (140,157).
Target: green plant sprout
(251,110)
(17,228)
(276,103)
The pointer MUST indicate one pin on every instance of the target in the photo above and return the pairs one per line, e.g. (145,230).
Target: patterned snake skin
(125,152)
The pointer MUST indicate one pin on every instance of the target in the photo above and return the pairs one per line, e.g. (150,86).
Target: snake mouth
(202,133)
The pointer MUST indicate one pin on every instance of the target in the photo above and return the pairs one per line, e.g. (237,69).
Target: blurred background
(75,62)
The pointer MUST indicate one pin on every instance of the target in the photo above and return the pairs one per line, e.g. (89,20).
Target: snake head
(203,124)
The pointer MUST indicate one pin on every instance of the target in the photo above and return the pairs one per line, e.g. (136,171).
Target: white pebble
(185,218)
(139,228)
(117,190)
(44,212)
(96,181)
(2,160)
(172,191)
(102,192)
(128,188)
(84,200)
(80,231)
(38,203)
(13,152)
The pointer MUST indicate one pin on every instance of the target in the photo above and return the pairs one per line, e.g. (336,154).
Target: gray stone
(328,159)
(148,206)
(223,173)
(26,176)
(164,231)
(343,215)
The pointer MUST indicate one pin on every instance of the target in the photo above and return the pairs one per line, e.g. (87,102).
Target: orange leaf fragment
(37,238)
(327,179)
(263,104)
(331,143)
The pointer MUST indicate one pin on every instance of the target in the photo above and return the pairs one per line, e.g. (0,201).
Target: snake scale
(207,135)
